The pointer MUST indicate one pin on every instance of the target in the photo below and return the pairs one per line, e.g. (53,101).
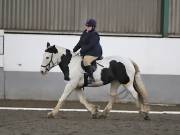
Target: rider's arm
(77,47)
(79,44)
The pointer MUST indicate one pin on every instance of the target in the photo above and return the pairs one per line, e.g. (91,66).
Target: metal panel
(174,23)
(113,16)
(123,16)
(1,13)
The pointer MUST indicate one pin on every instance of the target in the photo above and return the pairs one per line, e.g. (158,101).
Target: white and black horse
(114,70)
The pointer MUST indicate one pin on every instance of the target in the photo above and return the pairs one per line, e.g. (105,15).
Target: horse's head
(50,58)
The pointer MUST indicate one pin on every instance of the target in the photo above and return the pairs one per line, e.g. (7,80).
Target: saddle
(93,64)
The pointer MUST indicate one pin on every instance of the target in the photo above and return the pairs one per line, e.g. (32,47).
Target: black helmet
(91,22)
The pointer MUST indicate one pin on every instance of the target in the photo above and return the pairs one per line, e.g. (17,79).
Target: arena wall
(156,57)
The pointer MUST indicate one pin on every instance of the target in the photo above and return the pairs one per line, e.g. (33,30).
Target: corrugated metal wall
(113,16)
(38,14)
(124,16)
(174,22)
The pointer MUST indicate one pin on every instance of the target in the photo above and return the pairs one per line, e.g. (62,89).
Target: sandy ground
(81,123)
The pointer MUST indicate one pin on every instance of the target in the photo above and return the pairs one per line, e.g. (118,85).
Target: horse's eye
(47,57)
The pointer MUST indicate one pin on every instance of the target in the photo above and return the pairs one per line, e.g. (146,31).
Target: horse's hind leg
(138,99)
(142,93)
(113,94)
(133,92)
(90,107)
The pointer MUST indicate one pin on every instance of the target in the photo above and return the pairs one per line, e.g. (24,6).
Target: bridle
(48,66)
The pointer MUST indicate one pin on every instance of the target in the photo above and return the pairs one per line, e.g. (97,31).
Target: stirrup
(90,80)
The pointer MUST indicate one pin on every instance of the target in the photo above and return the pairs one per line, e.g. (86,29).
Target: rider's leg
(87,60)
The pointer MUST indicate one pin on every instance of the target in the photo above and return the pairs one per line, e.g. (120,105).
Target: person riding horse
(90,47)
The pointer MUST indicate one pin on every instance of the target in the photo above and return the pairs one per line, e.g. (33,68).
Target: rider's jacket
(89,44)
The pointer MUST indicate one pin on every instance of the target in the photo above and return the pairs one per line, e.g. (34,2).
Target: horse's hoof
(50,115)
(103,115)
(95,116)
(147,117)
(95,113)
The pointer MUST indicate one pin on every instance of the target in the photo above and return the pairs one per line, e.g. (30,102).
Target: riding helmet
(91,22)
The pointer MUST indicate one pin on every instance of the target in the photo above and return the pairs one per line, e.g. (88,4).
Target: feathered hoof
(50,115)
(145,115)
(100,115)
(95,116)
(103,115)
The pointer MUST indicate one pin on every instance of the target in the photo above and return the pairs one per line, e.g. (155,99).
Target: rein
(99,64)
(48,66)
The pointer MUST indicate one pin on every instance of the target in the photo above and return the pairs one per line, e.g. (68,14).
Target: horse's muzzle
(43,72)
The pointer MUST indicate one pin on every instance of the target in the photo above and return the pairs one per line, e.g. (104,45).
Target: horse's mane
(60,49)
(64,50)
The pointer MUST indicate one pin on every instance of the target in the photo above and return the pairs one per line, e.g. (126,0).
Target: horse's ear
(54,49)
(48,44)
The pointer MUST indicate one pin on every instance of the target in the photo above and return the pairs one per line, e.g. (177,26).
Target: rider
(90,47)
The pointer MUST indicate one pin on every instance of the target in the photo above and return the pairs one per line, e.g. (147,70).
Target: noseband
(48,66)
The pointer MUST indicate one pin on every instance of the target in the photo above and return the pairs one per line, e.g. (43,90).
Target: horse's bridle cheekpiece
(48,66)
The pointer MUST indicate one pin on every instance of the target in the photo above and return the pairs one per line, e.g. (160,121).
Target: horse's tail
(140,88)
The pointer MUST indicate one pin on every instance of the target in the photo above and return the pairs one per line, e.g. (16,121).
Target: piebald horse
(114,70)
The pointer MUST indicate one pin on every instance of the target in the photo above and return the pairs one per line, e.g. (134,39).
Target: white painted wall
(1,47)
(23,52)
(1,32)
(1,61)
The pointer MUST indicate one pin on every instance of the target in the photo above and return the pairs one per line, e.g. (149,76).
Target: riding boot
(89,70)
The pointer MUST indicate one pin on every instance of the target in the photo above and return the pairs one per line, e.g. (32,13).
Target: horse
(113,69)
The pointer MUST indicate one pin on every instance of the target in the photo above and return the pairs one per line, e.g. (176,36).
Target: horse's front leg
(90,107)
(113,95)
(67,91)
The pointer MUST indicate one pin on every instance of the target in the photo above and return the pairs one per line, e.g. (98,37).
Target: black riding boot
(89,70)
